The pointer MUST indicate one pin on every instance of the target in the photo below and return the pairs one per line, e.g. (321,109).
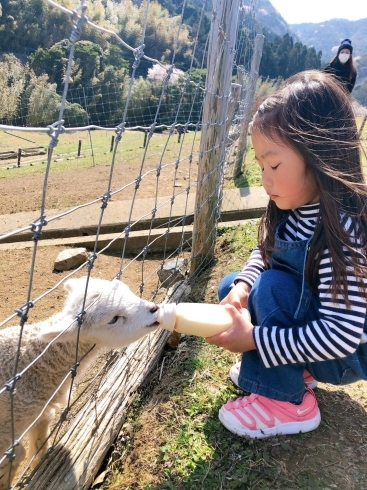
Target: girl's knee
(274,291)
(277,284)
(225,284)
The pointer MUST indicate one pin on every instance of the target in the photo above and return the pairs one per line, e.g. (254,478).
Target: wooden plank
(248,104)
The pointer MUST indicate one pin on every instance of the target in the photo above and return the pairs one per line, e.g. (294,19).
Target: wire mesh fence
(154,154)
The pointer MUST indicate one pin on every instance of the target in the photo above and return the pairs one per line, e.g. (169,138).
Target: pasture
(74,180)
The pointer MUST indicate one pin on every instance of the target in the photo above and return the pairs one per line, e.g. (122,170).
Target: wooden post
(248,103)
(180,130)
(362,126)
(19,156)
(79,147)
(233,107)
(222,40)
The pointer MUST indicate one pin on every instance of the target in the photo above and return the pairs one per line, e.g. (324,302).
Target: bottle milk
(200,319)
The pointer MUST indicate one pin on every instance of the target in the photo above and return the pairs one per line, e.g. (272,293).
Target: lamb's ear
(74,283)
(66,327)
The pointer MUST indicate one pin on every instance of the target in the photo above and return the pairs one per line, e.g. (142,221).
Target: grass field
(174,440)
(95,149)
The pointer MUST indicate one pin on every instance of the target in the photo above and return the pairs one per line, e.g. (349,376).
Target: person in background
(343,66)
(305,284)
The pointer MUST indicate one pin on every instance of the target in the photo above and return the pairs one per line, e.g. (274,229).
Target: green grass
(251,176)
(64,155)
(199,442)
(363,142)
(130,150)
(191,449)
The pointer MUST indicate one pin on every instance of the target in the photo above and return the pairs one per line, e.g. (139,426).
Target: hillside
(326,36)
(271,20)
(36,35)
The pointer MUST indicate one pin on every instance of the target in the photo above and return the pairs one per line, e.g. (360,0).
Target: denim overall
(280,296)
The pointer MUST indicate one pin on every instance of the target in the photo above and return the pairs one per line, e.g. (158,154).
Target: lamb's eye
(114,320)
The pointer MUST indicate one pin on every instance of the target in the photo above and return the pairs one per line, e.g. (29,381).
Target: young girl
(305,283)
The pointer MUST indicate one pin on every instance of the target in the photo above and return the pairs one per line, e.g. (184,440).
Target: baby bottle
(200,319)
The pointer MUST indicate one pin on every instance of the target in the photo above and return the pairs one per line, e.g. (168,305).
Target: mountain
(323,36)
(271,20)
(326,36)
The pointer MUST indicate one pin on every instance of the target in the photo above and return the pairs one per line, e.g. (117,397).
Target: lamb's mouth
(154,325)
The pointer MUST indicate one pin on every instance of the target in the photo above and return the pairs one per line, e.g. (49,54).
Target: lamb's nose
(154,309)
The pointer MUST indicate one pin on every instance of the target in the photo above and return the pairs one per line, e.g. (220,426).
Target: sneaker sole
(311,384)
(233,374)
(283,429)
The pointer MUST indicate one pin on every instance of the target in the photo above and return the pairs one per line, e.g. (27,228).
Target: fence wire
(181,151)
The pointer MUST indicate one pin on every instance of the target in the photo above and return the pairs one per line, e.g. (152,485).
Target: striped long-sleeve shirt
(338,330)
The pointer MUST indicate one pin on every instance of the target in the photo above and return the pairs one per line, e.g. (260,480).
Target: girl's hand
(238,338)
(237,296)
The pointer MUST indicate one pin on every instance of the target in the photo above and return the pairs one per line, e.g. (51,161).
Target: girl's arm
(335,334)
(252,269)
(239,338)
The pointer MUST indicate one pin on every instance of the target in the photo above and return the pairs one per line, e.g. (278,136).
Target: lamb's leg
(38,438)
(5,467)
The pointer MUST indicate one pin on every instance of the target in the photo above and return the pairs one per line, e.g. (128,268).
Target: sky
(299,11)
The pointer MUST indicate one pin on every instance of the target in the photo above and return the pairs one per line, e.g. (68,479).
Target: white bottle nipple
(167,316)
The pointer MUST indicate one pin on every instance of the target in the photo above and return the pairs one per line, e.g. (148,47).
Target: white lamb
(114,317)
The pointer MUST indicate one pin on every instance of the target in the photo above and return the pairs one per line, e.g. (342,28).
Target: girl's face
(284,174)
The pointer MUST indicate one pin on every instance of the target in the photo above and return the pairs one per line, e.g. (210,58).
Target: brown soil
(65,190)
(81,185)
(71,188)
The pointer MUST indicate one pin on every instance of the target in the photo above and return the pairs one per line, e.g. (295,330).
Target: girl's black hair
(313,115)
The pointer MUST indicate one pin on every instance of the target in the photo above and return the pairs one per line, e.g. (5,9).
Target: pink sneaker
(258,417)
(234,372)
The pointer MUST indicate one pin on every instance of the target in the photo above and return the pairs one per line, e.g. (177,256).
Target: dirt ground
(65,190)
(81,185)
